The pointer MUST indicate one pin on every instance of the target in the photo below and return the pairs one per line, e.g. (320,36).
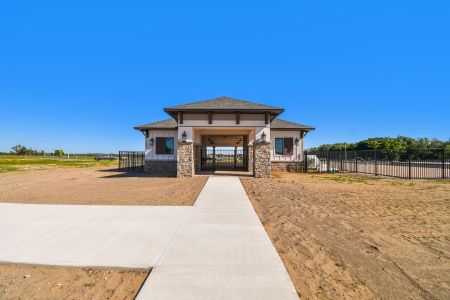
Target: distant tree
(392,145)
(59,153)
(335,147)
(19,149)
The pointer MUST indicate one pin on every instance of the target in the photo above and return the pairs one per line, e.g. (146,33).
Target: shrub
(59,153)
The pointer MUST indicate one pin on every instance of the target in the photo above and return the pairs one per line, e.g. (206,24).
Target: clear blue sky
(79,75)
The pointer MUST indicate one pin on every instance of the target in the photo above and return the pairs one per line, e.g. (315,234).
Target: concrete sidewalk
(220,251)
(87,235)
(217,249)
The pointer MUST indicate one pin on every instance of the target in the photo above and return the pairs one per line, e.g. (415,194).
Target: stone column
(250,157)
(261,157)
(185,159)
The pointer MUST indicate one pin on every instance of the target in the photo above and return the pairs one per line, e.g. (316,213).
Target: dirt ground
(356,237)
(44,282)
(97,185)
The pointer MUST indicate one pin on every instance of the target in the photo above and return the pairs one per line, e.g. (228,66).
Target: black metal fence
(413,164)
(223,159)
(131,160)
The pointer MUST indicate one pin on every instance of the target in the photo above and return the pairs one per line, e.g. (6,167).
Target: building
(223,134)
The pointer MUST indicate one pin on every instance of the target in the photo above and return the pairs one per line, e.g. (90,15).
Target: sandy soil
(44,282)
(355,237)
(97,185)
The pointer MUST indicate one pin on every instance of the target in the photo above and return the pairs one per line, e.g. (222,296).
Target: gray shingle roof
(283,124)
(223,103)
(164,124)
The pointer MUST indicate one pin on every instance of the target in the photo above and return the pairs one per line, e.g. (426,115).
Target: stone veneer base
(287,166)
(163,167)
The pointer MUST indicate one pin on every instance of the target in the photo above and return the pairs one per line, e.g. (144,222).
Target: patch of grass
(440,181)
(11,163)
(397,181)
(349,179)
(4,169)
(89,285)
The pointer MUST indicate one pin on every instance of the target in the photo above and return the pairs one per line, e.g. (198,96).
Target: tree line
(23,150)
(399,144)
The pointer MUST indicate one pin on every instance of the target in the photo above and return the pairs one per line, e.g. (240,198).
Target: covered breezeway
(224,153)
(223,149)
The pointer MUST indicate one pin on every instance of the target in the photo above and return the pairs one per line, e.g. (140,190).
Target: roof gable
(223,103)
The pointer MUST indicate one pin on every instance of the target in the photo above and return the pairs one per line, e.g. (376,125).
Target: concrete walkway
(217,249)
(87,235)
(220,251)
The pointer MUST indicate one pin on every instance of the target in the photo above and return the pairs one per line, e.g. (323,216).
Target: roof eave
(294,129)
(155,128)
(276,111)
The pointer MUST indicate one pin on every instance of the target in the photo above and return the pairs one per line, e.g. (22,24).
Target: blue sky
(78,75)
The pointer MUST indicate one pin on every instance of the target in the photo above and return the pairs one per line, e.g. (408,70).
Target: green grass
(11,163)
(367,179)
(4,169)
(346,178)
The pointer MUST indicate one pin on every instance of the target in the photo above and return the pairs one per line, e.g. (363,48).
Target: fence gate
(213,159)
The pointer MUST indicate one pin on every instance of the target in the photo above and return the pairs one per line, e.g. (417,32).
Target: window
(279,146)
(284,146)
(288,146)
(164,145)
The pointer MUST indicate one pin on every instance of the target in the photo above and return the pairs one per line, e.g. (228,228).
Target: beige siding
(298,148)
(201,120)
(150,150)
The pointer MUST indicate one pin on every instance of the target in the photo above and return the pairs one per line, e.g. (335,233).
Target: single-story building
(223,134)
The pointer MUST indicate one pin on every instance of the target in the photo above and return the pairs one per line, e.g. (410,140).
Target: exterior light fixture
(263,137)
(184,136)
(152,141)
(296,141)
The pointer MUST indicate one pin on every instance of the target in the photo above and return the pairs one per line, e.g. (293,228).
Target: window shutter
(288,146)
(160,145)
(279,146)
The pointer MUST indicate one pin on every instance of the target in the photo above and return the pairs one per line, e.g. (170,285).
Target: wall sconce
(152,141)
(263,137)
(184,136)
(296,141)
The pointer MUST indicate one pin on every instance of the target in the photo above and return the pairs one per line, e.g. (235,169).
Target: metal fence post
(355,153)
(376,163)
(305,159)
(443,163)
(328,161)
(214,157)
(409,163)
